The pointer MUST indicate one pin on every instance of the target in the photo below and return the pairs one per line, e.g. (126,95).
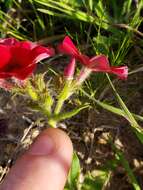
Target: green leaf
(62,9)
(8,3)
(74,173)
(96,182)
(67,115)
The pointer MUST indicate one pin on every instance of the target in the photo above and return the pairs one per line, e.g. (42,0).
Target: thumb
(44,166)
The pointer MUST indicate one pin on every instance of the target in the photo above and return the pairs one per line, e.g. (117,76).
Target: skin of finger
(46,172)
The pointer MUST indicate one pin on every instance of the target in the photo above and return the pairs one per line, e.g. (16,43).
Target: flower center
(11,67)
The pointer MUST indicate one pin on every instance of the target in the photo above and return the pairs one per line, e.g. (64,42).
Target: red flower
(19,59)
(98,63)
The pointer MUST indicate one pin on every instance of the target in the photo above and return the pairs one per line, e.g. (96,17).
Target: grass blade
(120,156)
(135,126)
(110,108)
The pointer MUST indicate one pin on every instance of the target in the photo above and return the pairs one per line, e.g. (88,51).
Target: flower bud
(70,69)
(83,75)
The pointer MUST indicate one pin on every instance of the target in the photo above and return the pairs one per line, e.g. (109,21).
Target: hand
(44,166)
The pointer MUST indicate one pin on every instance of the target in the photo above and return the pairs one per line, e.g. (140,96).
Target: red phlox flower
(19,59)
(97,63)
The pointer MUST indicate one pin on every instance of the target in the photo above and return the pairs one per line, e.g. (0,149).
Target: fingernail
(44,145)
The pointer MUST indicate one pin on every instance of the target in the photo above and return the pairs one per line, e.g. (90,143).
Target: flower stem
(52,123)
(59,106)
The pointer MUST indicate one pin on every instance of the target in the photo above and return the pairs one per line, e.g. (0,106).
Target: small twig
(91,145)
(125,26)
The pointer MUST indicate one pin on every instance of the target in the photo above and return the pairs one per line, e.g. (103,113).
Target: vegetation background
(108,137)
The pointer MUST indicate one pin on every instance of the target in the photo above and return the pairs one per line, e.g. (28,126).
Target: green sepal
(39,82)
(37,86)
(32,93)
(66,90)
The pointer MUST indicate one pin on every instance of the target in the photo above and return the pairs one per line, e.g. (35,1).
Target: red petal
(8,41)
(68,47)
(25,72)
(21,53)
(28,45)
(25,53)
(84,59)
(19,59)
(20,56)
(70,69)
(61,49)
(5,56)
(99,63)
(39,53)
(121,72)
(19,73)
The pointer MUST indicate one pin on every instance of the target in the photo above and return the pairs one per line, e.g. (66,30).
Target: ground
(88,131)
